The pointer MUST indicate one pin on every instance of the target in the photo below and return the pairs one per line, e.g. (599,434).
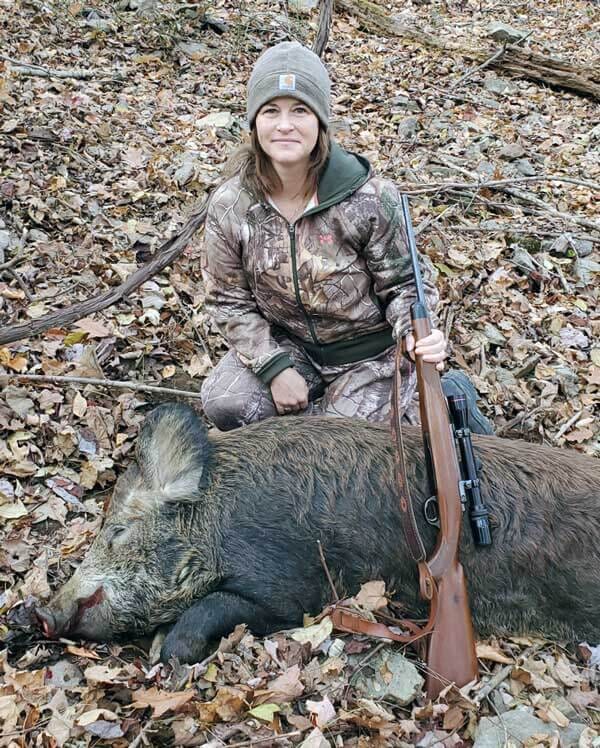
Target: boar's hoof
(186,649)
(47,622)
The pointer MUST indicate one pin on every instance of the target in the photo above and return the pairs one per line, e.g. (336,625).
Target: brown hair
(258,174)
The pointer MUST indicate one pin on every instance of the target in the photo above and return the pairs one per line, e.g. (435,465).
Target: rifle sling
(409,523)
(347,620)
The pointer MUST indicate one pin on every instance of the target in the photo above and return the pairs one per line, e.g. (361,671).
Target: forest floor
(99,166)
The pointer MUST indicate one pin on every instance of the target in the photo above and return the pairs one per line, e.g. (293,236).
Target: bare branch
(164,256)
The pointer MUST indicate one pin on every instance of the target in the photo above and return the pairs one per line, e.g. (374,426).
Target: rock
(185,172)
(491,103)
(35,235)
(216,119)
(99,24)
(193,49)
(407,128)
(567,246)
(63,674)
(583,247)
(143,6)
(512,151)
(570,337)
(519,725)
(405,683)
(405,102)
(303,6)
(502,32)
(525,167)
(486,168)
(4,243)
(498,86)
(569,384)
(315,739)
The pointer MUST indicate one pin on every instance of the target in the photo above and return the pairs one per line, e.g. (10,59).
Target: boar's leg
(212,617)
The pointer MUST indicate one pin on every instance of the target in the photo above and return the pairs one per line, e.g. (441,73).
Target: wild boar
(210,530)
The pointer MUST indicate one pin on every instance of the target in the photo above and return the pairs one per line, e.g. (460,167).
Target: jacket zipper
(309,322)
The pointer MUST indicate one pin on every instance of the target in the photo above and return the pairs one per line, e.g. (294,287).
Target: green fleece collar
(343,174)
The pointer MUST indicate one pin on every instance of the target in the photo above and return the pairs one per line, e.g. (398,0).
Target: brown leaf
(287,687)
(161,701)
(493,653)
(371,596)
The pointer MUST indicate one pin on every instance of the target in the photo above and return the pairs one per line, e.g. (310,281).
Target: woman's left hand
(431,348)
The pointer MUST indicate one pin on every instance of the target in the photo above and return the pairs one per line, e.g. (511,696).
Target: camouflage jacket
(338,277)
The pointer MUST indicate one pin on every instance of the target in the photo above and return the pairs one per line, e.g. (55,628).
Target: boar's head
(143,568)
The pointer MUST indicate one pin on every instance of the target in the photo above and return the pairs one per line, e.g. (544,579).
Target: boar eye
(114,532)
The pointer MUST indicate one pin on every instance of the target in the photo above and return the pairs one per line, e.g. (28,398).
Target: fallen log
(514,60)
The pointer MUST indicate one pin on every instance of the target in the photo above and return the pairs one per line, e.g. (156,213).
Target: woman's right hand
(289,392)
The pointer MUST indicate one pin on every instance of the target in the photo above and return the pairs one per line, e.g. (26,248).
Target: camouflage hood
(336,280)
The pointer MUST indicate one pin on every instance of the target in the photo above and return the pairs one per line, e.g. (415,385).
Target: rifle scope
(478,511)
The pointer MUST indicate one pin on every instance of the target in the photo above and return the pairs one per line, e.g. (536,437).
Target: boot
(458,383)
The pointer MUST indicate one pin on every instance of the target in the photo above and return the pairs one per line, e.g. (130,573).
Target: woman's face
(287,131)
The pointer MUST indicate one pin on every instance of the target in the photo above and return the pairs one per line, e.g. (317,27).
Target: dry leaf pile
(116,118)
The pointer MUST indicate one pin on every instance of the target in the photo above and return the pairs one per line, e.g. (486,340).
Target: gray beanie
(289,69)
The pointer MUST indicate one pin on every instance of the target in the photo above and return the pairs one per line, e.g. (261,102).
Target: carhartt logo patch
(287,82)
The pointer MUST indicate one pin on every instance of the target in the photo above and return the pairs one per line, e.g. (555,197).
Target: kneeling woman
(306,266)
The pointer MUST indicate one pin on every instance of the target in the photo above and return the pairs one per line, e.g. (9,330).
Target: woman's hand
(431,348)
(289,392)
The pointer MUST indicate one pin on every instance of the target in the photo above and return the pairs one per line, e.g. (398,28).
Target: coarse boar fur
(208,531)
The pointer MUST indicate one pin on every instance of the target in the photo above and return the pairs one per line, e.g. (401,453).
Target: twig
(503,674)
(336,597)
(196,331)
(491,59)
(519,194)
(7,266)
(13,274)
(164,256)
(325,15)
(137,386)
(496,183)
(517,420)
(567,425)
(272,738)
(510,230)
(31,68)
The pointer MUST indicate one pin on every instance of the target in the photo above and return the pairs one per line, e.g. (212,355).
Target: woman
(306,265)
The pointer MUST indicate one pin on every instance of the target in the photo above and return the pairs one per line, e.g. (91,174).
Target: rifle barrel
(410,235)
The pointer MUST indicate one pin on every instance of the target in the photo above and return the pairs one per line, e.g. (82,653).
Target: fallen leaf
(161,701)
(495,654)
(13,510)
(287,687)
(95,714)
(264,712)
(371,596)
(315,635)
(322,712)
(79,405)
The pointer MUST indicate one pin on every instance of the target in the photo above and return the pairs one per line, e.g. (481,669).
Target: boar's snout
(47,622)
(64,613)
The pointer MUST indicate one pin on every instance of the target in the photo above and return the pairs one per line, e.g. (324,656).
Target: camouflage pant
(232,395)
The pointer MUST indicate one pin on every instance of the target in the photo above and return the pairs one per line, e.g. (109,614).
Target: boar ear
(172,451)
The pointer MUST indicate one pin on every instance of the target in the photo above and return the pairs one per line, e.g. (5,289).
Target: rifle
(451,649)
(451,655)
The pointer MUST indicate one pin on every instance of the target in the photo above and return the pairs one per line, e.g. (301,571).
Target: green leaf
(77,336)
(445,269)
(264,712)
